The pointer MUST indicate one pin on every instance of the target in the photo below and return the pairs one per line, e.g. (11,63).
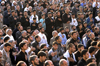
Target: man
(85,55)
(66,18)
(54,34)
(91,64)
(1,59)
(18,33)
(97,54)
(97,19)
(97,32)
(34,25)
(48,63)
(9,34)
(25,21)
(33,33)
(69,55)
(89,60)
(34,60)
(63,36)
(78,55)
(58,20)
(12,20)
(42,57)
(49,25)
(21,63)
(30,39)
(35,44)
(63,62)
(43,37)
(6,54)
(22,37)
(73,39)
(22,56)
(92,37)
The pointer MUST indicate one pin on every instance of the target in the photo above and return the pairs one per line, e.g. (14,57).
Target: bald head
(63,62)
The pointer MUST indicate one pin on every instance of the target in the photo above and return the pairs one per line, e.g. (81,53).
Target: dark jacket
(18,34)
(97,56)
(21,57)
(66,18)
(6,15)
(82,62)
(34,26)
(25,23)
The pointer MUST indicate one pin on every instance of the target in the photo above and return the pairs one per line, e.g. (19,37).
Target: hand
(26,57)
(71,59)
(26,19)
(51,20)
(76,43)
(52,27)
(68,22)
(79,58)
(32,49)
(55,53)
(52,54)
(59,19)
(7,64)
(68,16)
(14,53)
(15,18)
(91,20)
(8,12)
(63,36)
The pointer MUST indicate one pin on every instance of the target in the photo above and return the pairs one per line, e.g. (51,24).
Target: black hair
(42,46)
(98,44)
(84,52)
(94,43)
(61,28)
(6,39)
(36,37)
(44,49)
(32,58)
(80,45)
(70,45)
(41,53)
(91,49)
(7,44)
(56,38)
(55,43)
(17,24)
(73,32)
(34,18)
(21,44)
(89,60)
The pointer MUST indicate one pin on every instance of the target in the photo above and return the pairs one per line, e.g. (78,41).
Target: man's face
(38,39)
(58,13)
(55,46)
(42,30)
(92,36)
(75,36)
(31,38)
(25,47)
(7,48)
(50,63)
(24,34)
(94,61)
(1,33)
(60,39)
(43,58)
(10,32)
(87,55)
(0,55)
(64,63)
(73,49)
(62,31)
(82,48)
(36,61)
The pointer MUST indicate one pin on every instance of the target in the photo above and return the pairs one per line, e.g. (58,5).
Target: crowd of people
(49,32)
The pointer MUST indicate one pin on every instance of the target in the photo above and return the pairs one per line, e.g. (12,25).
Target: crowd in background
(49,32)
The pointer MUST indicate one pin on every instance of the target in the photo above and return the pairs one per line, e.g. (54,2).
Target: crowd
(49,32)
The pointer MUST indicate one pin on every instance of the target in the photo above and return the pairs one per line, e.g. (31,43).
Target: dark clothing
(12,22)
(11,56)
(5,19)
(66,18)
(77,54)
(21,57)
(82,62)
(14,33)
(80,33)
(25,23)
(40,63)
(35,44)
(58,23)
(88,43)
(18,34)
(34,26)
(97,56)
(67,33)
(19,40)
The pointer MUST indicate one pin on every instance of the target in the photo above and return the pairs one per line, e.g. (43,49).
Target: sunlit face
(7,49)
(24,64)
(36,61)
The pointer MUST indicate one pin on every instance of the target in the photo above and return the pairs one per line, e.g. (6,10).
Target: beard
(36,63)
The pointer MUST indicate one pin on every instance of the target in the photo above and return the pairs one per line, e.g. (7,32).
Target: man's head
(20,28)
(42,56)
(42,30)
(34,60)
(7,47)
(54,33)
(67,10)
(80,47)
(43,16)
(74,35)
(25,13)
(9,31)
(49,14)
(34,12)
(12,43)
(48,63)
(30,38)
(71,47)
(6,39)
(62,30)
(1,32)
(58,13)
(85,54)
(39,24)
(37,38)
(73,27)
(23,46)
(92,36)
(58,39)
(24,33)
(13,13)
(0,54)
(90,15)
(33,33)
(55,45)
(34,20)
(96,29)
(18,24)
(92,50)
(88,31)
(21,63)
(63,62)
(94,43)
(89,60)
(43,46)
(91,64)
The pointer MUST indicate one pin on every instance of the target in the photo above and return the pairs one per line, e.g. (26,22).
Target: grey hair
(23,31)
(32,58)
(91,34)
(53,32)
(10,41)
(61,62)
(47,62)
(7,30)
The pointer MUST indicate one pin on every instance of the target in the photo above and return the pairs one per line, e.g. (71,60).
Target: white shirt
(74,22)
(31,18)
(67,55)
(94,4)
(43,39)
(11,37)
(26,9)
(90,56)
(98,19)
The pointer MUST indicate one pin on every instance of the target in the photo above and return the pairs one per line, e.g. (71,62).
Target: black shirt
(34,26)
(97,56)
(40,63)
(77,54)
(82,62)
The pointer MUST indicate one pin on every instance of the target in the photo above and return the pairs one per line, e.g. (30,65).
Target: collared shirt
(74,22)
(64,39)
(11,37)
(43,24)
(43,39)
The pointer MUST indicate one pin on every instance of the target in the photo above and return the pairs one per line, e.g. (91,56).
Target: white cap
(3,2)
